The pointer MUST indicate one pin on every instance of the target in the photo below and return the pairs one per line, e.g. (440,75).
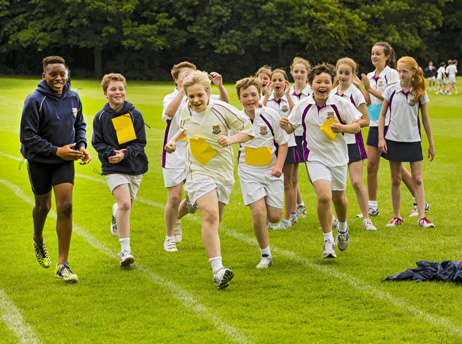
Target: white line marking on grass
(10,156)
(15,322)
(188,300)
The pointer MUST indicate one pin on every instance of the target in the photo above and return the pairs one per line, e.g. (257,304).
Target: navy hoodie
(104,141)
(49,122)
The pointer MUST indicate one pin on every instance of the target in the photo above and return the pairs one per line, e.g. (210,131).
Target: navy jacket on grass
(447,271)
(49,122)
(104,141)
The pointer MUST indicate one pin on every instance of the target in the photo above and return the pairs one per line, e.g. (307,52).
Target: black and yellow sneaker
(63,271)
(42,255)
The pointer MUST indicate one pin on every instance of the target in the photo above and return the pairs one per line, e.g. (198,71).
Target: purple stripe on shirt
(272,132)
(306,151)
(338,114)
(220,117)
(359,140)
(164,153)
(352,101)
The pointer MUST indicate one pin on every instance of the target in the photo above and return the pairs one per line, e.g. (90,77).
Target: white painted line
(15,322)
(189,300)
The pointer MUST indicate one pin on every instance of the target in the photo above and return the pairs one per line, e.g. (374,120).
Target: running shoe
(177,232)
(293,219)
(334,223)
(425,223)
(265,262)
(368,226)
(169,245)
(222,277)
(329,249)
(126,258)
(373,212)
(191,208)
(343,239)
(63,271)
(284,224)
(114,230)
(415,211)
(42,255)
(301,211)
(396,221)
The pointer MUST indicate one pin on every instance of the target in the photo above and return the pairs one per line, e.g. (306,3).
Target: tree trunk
(97,53)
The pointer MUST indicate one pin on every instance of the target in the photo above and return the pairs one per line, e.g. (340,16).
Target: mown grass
(170,297)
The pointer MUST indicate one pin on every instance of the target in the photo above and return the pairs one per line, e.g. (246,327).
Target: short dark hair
(319,69)
(52,60)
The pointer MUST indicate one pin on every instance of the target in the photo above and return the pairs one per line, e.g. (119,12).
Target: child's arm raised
(289,98)
(428,131)
(217,79)
(170,147)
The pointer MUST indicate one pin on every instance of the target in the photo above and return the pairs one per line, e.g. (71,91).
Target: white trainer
(114,230)
(284,224)
(222,277)
(169,245)
(177,232)
(329,249)
(301,211)
(265,262)
(368,226)
(126,258)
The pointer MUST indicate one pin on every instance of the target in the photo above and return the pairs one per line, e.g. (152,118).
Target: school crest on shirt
(380,83)
(216,129)
(74,112)
(330,115)
(284,108)
(263,130)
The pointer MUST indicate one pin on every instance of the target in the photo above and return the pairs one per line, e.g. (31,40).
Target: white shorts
(255,187)
(173,176)
(200,187)
(452,79)
(441,81)
(431,78)
(336,175)
(113,180)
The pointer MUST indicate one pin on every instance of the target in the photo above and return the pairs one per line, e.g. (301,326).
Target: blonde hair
(265,70)
(282,71)
(418,81)
(176,68)
(302,61)
(197,77)
(346,61)
(112,77)
(246,83)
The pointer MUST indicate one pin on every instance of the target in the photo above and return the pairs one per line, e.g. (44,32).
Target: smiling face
(406,74)
(265,79)
(198,97)
(378,57)
(299,73)
(55,77)
(345,75)
(115,94)
(278,83)
(322,85)
(250,99)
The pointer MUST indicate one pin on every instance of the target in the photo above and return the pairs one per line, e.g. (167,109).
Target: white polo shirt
(268,136)
(176,159)
(451,71)
(282,107)
(355,97)
(311,117)
(387,77)
(217,119)
(296,98)
(404,116)
(441,72)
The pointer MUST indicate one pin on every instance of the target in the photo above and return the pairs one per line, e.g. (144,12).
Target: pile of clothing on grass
(447,271)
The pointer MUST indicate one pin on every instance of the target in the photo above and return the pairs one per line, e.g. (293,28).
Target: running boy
(52,136)
(173,167)
(209,160)
(122,156)
(260,165)
(327,158)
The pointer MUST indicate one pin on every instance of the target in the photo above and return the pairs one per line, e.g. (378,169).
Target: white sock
(170,238)
(373,204)
(216,263)
(265,251)
(342,226)
(125,244)
(328,236)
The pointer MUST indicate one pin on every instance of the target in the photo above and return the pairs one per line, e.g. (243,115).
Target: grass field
(170,297)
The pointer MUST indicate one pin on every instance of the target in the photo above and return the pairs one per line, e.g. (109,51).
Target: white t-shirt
(355,97)
(296,98)
(311,117)
(404,116)
(268,133)
(441,72)
(282,107)
(387,77)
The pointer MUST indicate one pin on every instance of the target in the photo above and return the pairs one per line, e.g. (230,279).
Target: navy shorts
(299,140)
(373,136)
(44,176)
(354,153)
(403,151)
(292,156)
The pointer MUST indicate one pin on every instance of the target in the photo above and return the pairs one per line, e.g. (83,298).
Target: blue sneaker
(373,212)
(342,240)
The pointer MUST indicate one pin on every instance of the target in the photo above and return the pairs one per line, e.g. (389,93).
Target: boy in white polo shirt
(209,160)
(327,157)
(173,165)
(260,165)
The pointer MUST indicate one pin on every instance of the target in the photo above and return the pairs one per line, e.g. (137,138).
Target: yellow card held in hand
(258,156)
(123,126)
(327,130)
(201,150)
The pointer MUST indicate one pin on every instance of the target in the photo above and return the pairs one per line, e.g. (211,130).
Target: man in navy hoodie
(52,137)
